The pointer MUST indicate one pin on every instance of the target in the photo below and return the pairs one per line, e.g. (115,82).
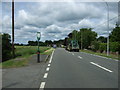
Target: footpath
(25,77)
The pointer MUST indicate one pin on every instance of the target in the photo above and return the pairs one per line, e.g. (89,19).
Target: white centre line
(51,57)
(47,69)
(80,57)
(45,75)
(101,67)
(42,85)
(48,65)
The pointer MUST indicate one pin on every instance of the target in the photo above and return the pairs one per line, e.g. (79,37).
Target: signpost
(38,51)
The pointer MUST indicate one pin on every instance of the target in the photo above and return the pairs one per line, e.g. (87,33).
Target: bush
(6,47)
(102,47)
(114,46)
(95,46)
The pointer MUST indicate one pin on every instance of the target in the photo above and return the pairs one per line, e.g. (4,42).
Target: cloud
(57,20)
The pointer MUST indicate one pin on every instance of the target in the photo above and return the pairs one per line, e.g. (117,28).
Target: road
(79,70)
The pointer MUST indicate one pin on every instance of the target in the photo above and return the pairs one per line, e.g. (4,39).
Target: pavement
(80,70)
(25,77)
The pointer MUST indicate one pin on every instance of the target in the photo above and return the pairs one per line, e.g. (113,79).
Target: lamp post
(108,28)
(38,51)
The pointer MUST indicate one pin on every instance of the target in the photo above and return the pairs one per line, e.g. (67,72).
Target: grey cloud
(56,20)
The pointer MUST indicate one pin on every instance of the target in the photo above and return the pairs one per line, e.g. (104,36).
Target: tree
(6,47)
(48,42)
(87,36)
(102,39)
(115,34)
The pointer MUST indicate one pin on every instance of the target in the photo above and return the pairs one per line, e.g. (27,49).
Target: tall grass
(23,54)
(28,50)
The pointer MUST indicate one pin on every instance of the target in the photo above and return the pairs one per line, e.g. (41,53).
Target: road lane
(108,63)
(68,71)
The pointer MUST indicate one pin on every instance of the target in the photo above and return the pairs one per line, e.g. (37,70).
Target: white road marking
(47,69)
(42,85)
(72,53)
(116,60)
(51,57)
(80,57)
(45,75)
(100,56)
(101,67)
(48,65)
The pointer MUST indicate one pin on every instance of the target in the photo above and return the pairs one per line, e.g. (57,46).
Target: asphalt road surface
(79,70)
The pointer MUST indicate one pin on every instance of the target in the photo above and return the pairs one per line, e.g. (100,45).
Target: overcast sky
(55,20)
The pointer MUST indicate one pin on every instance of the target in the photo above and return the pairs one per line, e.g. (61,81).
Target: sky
(55,20)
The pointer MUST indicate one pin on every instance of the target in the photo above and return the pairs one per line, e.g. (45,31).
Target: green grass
(23,53)
(49,51)
(102,54)
(28,50)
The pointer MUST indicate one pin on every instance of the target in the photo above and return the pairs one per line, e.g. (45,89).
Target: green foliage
(102,47)
(28,50)
(87,36)
(102,39)
(114,46)
(115,34)
(95,45)
(6,47)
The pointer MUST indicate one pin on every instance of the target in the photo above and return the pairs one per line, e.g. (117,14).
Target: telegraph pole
(13,53)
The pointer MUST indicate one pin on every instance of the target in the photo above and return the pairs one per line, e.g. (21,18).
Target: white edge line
(101,67)
(51,57)
(42,85)
(101,56)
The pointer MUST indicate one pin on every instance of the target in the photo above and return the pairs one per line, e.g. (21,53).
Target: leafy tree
(102,47)
(6,47)
(102,39)
(87,36)
(95,45)
(115,34)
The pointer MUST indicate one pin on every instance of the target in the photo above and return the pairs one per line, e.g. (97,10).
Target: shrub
(102,47)
(95,45)
(6,47)
(114,46)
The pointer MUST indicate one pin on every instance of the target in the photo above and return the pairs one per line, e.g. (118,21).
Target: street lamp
(38,52)
(107,27)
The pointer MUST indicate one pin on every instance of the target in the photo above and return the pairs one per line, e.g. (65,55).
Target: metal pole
(13,53)
(108,29)
(38,53)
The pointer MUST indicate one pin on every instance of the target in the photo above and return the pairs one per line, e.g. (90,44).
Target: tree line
(86,37)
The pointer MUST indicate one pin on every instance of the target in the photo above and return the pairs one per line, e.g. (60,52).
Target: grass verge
(23,53)
(102,54)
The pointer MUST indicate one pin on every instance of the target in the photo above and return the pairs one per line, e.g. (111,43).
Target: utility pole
(13,53)
(108,29)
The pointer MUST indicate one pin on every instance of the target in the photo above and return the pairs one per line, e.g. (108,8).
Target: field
(23,53)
